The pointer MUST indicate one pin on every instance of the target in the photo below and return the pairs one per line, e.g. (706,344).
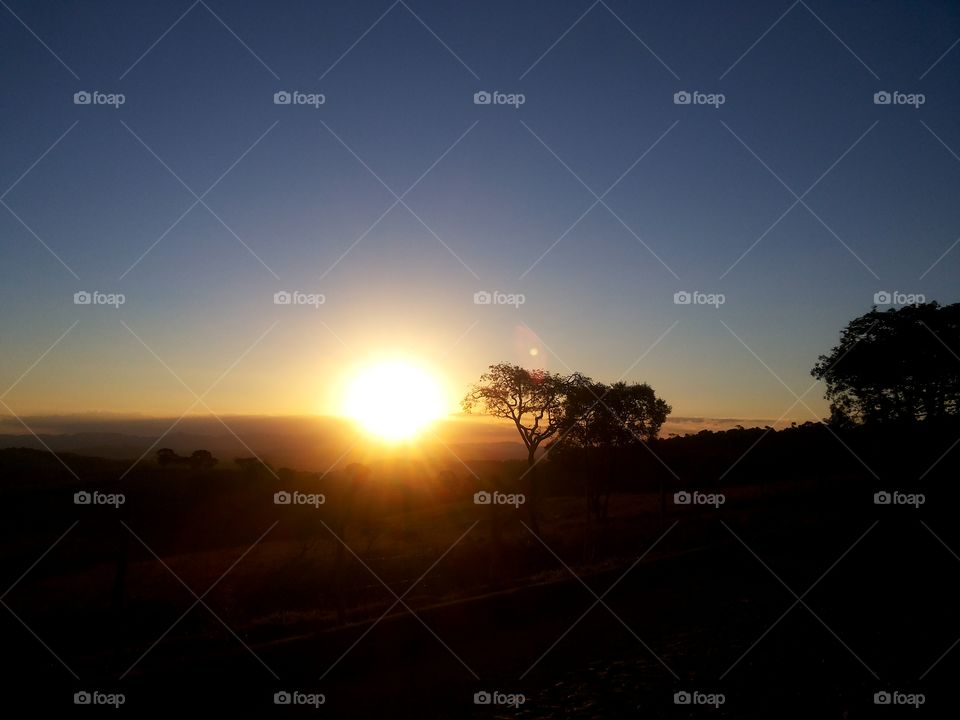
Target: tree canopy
(618,415)
(535,400)
(898,365)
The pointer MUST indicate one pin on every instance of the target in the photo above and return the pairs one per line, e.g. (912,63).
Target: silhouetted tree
(895,366)
(600,424)
(166,456)
(253,466)
(357,475)
(202,460)
(616,415)
(536,402)
(123,563)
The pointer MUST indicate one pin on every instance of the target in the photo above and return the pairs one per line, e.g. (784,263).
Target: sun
(394,399)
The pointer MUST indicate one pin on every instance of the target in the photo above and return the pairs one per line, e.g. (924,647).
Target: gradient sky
(599,80)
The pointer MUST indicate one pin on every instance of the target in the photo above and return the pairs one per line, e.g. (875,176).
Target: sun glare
(394,399)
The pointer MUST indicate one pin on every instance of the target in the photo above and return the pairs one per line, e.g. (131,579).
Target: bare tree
(536,402)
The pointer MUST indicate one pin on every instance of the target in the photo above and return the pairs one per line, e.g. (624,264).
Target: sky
(783,193)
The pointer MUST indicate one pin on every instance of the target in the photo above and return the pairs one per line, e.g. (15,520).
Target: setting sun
(394,399)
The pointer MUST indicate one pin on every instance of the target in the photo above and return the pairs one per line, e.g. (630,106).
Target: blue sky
(298,189)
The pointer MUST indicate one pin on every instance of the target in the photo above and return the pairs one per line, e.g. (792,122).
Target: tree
(602,423)
(166,456)
(202,460)
(895,366)
(253,466)
(534,400)
(357,477)
(616,415)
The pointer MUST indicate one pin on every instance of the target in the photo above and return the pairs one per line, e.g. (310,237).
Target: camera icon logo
(482,497)
(282,698)
(82,498)
(882,698)
(882,98)
(282,98)
(882,498)
(81,698)
(882,297)
(282,498)
(482,98)
(482,297)
(482,698)
(282,298)
(82,98)
(682,98)
(681,498)
(682,297)
(682,698)
(82,298)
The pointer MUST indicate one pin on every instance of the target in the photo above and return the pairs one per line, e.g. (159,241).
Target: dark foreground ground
(798,597)
(715,619)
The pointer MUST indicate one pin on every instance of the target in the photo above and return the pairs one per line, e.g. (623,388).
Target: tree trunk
(532,492)
(339,558)
(119,579)
(495,570)
(605,503)
(338,579)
